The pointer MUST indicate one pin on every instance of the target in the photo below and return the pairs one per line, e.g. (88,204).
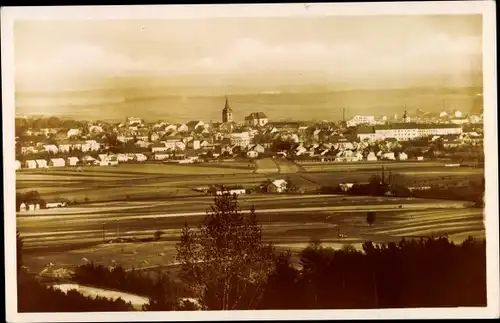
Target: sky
(264,53)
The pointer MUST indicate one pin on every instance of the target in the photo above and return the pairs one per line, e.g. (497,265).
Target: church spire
(226,105)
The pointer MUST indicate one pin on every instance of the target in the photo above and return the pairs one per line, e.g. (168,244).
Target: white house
(57,162)
(277,186)
(93,145)
(420,158)
(31,164)
(122,157)
(403,156)
(41,163)
(443,114)
(457,114)
(73,132)
(371,157)
(241,139)
(23,207)
(33,207)
(51,148)
(140,157)
(161,156)
(73,161)
(256,119)
(389,156)
(18,164)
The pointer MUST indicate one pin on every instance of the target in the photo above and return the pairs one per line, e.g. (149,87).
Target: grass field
(135,200)
(266,165)
(287,231)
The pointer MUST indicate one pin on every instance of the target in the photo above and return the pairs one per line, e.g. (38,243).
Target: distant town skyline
(263,54)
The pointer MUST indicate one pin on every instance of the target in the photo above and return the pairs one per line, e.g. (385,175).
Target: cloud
(84,64)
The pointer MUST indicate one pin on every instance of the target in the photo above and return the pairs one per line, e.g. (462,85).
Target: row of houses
(102,160)
(62,147)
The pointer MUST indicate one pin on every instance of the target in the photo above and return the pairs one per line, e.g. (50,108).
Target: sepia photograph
(270,161)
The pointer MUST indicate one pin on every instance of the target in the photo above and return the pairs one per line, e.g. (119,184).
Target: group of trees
(30,197)
(159,288)
(226,265)
(418,273)
(33,296)
(22,124)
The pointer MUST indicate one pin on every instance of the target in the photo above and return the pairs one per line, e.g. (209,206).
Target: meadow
(134,200)
(287,231)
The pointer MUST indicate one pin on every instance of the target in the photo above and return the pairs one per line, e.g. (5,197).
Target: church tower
(227,113)
(406,118)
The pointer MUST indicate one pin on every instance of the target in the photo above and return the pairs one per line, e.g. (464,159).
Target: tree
(225,261)
(290,186)
(370,218)
(158,234)
(160,298)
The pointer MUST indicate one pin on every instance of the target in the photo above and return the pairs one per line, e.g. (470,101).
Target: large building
(256,119)
(407,131)
(242,139)
(227,113)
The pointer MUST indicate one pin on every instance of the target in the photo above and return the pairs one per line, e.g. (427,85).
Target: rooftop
(256,115)
(414,125)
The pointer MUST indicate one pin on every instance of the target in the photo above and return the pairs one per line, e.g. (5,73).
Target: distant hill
(159,103)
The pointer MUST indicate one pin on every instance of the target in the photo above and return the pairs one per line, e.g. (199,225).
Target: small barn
(389,156)
(140,157)
(122,158)
(18,164)
(57,162)
(403,156)
(73,161)
(277,186)
(23,207)
(31,164)
(371,157)
(41,163)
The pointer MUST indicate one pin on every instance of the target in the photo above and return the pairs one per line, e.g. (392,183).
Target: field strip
(435,218)
(438,231)
(111,234)
(349,208)
(41,234)
(419,227)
